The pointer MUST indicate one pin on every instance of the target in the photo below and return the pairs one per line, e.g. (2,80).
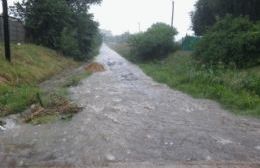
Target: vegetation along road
(129,120)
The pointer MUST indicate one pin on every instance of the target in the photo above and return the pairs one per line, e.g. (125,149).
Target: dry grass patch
(57,108)
(3,80)
(94,67)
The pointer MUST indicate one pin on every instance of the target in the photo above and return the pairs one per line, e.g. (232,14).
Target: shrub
(68,43)
(231,41)
(156,42)
(63,25)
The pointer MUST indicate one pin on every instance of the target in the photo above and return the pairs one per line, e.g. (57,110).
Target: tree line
(230,32)
(63,25)
(207,12)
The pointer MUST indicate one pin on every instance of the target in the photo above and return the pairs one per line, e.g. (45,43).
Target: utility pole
(139,27)
(6,31)
(172,13)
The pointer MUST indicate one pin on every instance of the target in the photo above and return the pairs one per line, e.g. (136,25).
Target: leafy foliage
(156,42)
(69,44)
(207,12)
(63,25)
(231,41)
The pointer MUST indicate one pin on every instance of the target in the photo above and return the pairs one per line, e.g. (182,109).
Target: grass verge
(55,105)
(30,65)
(236,90)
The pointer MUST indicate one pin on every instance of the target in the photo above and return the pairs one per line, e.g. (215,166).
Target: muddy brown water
(131,121)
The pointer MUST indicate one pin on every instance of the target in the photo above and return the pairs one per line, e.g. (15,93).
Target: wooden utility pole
(172,13)
(6,31)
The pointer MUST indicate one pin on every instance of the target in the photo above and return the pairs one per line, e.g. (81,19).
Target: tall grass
(31,64)
(16,98)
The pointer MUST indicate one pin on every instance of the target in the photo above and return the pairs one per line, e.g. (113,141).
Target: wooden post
(6,31)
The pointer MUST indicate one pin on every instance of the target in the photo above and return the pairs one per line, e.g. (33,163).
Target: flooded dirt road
(131,121)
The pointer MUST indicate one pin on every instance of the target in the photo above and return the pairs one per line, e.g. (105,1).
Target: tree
(203,17)
(87,30)
(207,12)
(44,20)
(47,22)
(231,41)
(156,42)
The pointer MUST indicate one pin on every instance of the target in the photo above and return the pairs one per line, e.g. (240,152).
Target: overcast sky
(124,15)
(120,16)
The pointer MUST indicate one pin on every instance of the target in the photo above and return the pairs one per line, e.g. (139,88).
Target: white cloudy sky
(120,16)
(124,15)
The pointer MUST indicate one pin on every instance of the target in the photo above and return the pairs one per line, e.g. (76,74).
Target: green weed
(16,99)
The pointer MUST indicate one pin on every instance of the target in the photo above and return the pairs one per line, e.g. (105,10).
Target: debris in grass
(94,67)
(59,107)
(35,111)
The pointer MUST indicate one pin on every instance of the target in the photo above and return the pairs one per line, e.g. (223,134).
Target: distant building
(17,30)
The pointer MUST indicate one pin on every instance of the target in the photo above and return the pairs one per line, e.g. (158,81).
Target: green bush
(156,42)
(63,25)
(231,41)
(68,43)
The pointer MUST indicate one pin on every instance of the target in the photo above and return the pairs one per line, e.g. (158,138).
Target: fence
(17,31)
(189,42)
